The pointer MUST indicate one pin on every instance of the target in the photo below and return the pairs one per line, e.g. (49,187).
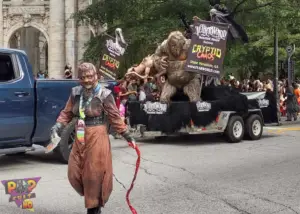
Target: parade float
(190,100)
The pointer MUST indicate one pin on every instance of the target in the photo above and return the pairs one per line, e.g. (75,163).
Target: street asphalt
(187,175)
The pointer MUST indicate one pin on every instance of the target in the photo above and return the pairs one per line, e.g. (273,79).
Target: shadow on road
(41,157)
(28,158)
(203,139)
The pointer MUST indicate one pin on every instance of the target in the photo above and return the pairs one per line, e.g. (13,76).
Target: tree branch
(255,8)
(235,10)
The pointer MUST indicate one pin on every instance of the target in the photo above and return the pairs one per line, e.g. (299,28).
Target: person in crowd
(297,92)
(292,106)
(282,101)
(41,75)
(132,90)
(142,94)
(68,71)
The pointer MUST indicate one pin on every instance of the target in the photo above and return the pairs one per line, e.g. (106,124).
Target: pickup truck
(28,106)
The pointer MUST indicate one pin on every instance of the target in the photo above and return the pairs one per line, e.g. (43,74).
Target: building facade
(46,31)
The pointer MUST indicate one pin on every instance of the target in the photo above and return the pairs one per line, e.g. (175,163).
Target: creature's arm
(66,114)
(159,58)
(187,46)
(161,49)
(128,93)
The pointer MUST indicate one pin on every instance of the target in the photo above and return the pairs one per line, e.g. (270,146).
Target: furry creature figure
(169,60)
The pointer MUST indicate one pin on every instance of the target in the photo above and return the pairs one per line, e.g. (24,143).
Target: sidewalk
(285,123)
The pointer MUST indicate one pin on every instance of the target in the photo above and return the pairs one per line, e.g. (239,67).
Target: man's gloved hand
(132,144)
(54,137)
(129,139)
(57,129)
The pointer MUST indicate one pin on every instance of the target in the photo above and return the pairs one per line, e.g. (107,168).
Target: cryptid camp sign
(207,49)
(112,57)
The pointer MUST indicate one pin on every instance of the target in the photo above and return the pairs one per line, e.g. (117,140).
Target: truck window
(6,69)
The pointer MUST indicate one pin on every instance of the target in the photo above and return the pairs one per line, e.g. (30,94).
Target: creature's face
(87,75)
(176,43)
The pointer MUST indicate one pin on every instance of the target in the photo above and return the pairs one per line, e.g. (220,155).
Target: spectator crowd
(289,96)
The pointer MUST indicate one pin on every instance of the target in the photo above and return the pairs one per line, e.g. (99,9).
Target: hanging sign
(113,54)
(207,49)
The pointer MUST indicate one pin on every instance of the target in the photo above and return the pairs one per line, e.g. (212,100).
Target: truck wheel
(64,147)
(235,129)
(254,127)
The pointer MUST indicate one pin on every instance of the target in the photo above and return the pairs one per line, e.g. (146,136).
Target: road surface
(195,175)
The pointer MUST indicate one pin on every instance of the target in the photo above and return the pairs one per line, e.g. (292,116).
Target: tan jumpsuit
(90,165)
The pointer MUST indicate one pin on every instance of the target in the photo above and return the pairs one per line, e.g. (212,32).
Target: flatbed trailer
(246,120)
(234,126)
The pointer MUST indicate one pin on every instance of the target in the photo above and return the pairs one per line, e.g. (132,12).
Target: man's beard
(88,86)
(87,92)
(88,89)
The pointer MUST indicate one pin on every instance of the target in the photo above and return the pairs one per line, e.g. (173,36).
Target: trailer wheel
(65,145)
(254,127)
(235,129)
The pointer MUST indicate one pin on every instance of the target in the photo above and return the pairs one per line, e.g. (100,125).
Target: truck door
(16,102)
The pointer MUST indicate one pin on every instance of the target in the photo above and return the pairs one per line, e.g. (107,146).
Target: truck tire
(64,147)
(254,127)
(235,129)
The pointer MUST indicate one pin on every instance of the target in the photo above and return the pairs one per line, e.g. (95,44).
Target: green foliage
(146,23)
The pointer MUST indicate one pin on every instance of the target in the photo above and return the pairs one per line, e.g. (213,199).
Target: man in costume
(90,163)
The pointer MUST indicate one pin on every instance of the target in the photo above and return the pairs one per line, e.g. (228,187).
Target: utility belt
(94,121)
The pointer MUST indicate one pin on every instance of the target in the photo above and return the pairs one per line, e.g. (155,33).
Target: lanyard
(81,107)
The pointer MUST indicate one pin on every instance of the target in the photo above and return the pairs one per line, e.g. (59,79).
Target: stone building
(43,29)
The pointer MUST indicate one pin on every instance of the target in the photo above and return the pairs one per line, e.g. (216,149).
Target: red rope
(137,166)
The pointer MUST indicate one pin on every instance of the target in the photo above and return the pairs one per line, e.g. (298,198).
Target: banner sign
(112,56)
(207,49)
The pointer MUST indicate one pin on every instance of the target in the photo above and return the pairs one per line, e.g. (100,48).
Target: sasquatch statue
(169,60)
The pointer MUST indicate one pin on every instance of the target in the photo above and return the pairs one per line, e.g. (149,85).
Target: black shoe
(96,210)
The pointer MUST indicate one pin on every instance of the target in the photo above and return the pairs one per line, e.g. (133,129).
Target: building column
(83,32)
(71,51)
(37,55)
(1,24)
(57,39)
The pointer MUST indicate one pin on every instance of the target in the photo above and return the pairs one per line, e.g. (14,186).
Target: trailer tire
(235,129)
(254,127)
(63,150)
